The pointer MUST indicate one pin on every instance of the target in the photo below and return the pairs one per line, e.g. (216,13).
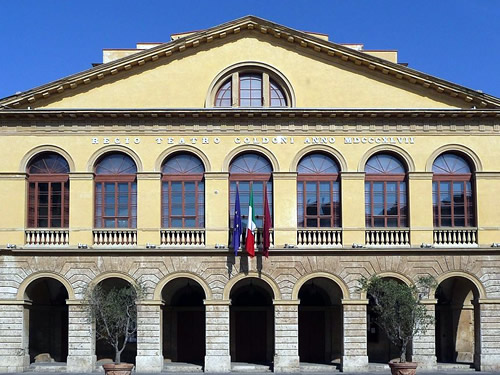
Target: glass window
(385,192)
(116,192)
(452,195)
(224,95)
(318,192)
(48,191)
(183,192)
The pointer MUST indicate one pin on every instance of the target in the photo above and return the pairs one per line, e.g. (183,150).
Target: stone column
(487,356)
(424,344)
(420,208)
(285,208)
(355,357)
(216,208)
(81,213)
(149,336)
(286,336)
(353,208)
(217,355)
(148,208)
(81,338)
(14,336)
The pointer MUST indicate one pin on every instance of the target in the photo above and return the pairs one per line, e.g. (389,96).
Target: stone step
(456,366)
(249,367)
(378,367)
(181,367)
(47,367)
(319,367)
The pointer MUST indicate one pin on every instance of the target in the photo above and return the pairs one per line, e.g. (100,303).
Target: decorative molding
(423,176)
(355,302)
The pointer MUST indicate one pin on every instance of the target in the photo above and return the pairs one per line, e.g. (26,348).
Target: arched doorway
(252,322)
(380,348)
(457,321)
(48,321)
(183,321)
(320,322)
(105,352)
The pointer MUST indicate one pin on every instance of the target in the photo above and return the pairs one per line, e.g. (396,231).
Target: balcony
(318,237)
(455,237)
(258,238)
(387,237)
(115,237)
(183,237)
(46,237)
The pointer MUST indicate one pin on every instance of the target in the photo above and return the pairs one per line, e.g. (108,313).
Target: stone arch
(250,148)
(21,291)
(472,278)
(114,148)
(403,155)
(330,151)
(45,148)
(337,280)
(268,280)
(177,275)
(219,79)
(393,275)
(110,275)
(182,149)
(460,149)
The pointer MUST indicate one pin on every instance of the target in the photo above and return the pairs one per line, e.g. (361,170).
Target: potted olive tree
(115,313)
(399,314)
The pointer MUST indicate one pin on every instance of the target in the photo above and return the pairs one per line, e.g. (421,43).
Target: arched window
(385,192)
(452,192)
(255,89)
(318,192)
(48,193)
(250,171)
(115,192)
(183,192)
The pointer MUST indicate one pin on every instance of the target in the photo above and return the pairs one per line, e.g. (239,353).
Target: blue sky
(457,40)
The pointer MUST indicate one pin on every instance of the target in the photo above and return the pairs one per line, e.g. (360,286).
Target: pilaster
(14,208)
(148,208)
(216,208)
(488,215)
(285,208)
(353,208)
(81,212)
(487,356)
(81,338)
(14,336)
(355,356)
(286,336)
(149,337)
(420,208)
(424,344)
(217,355)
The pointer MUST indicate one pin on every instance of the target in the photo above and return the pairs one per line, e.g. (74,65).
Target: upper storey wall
(183,80)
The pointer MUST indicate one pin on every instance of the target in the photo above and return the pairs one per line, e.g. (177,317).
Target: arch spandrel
(178,275)
(465,275)
(337,280)
(250,149)
(226,294)
(400,152)
(461,150)
(330,151)
(188,149)
(113,275)
(23,165)
(114,148)
(21,291)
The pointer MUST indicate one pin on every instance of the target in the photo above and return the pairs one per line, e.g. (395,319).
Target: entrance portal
(48,321)
(320,322)
(252,322)
(183,321)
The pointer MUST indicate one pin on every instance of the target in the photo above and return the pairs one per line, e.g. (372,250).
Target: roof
(242,25)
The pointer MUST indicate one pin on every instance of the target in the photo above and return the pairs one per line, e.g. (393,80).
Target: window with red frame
(385,192)
(318,192)
(250,171)
(183,192)
(115,192)
(48,191)
(452,192)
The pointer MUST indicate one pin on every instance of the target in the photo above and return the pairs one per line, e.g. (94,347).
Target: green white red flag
(251,227)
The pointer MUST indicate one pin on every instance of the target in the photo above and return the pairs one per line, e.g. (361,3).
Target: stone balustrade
(455,236)
(115,237)
(319,237)
(387,237)
(47,236)
(183,237)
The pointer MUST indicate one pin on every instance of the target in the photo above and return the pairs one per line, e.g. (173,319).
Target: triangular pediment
(322,74)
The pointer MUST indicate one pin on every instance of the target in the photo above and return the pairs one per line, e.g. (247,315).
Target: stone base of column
(217,363)
(149,363)
(286,363)
(354,363)
(425,362)
(489,362)
(81,363)
(17,363)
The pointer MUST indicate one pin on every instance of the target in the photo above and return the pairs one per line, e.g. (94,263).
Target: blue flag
(237,223)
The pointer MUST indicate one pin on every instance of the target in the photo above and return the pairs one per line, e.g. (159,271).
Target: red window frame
(34,204)
(402,219)
(182,178)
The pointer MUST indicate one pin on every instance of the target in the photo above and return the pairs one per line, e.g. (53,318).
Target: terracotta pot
(405,368)
(118,368)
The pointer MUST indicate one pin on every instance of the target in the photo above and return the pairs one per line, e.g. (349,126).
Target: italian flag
(251,227)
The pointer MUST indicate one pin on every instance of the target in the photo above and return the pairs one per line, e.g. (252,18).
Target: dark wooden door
(251,337)
(191,336)
(312,336)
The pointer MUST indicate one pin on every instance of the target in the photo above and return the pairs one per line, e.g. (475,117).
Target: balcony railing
(258,238)
(183,237)
(387,237)
(47,237)
(115,237)
(307,237)
(455,236)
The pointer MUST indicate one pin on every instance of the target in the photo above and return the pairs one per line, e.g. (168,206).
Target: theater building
(128,172)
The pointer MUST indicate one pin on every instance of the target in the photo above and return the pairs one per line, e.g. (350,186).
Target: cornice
(253,25)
